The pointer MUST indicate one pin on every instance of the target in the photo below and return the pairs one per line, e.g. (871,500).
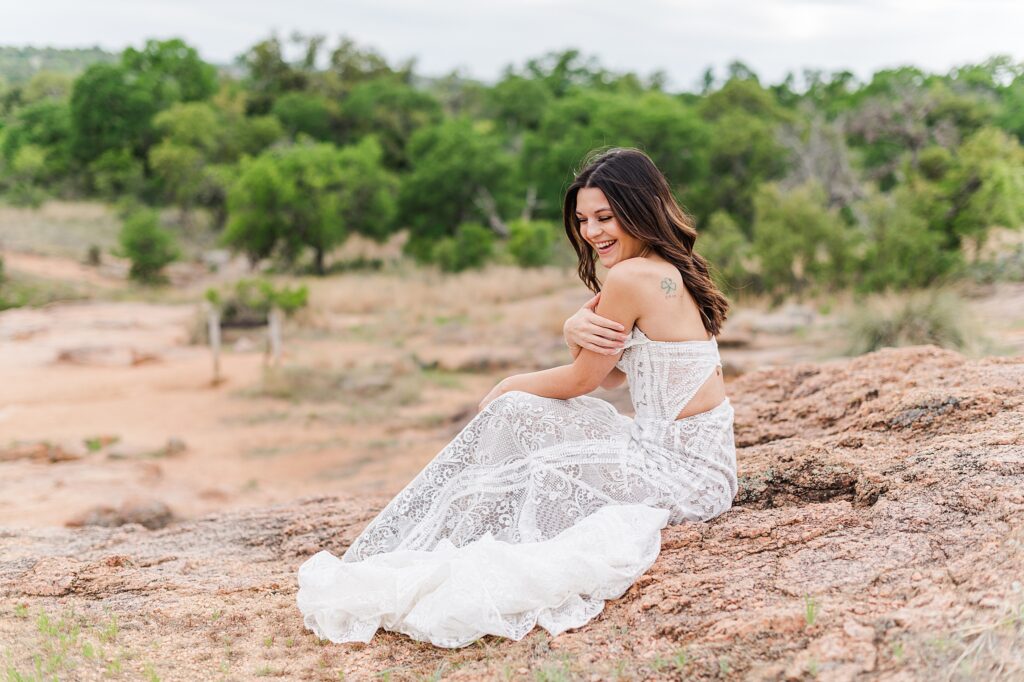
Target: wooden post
(274,320)
(213,332)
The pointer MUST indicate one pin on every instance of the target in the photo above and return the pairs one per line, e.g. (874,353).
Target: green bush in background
(148,246)
(531,242)
(924,317)
(471,247)
(728,252)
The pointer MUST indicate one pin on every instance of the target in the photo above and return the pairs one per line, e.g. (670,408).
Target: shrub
(149,246)
(249,303)
(799,242)
(902,251)
(531,242)
(26,195)
(117,173)
(937,317)
(1007,266)
(471,247)
(727,251)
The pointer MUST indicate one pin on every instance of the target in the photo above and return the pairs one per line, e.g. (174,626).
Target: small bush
(25,195)
(26,291)
(531,242)
(1007,266)
(471,247)
(727,251)
(902,252)
(925,317)
(250,301)
(117,173)
(149,246)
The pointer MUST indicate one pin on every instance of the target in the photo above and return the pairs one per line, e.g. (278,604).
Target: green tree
(149,246)
(799,243)
(531,243)
(519,102)
(45,124)
(116,173)
(350,65)
(456,168)
(172,70)
(307,113)
(985,187)
(110,110)
(309,196)
(744,149)
(192,134)
(269,74)
(391,110)
(728,252)
(666,129)
(47,85)
(901,250)
(471,246)
(27,169)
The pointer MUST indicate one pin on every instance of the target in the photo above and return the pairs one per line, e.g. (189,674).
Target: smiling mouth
(605,246)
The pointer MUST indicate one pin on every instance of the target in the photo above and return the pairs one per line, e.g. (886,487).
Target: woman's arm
(619,302)
(586,329)
(614,378)
(599,333)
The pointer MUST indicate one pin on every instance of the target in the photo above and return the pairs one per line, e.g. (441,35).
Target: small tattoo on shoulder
(669,287)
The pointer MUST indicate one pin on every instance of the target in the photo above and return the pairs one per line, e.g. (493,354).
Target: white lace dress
(536,512)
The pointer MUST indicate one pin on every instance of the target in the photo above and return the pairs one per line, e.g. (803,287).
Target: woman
(549,501)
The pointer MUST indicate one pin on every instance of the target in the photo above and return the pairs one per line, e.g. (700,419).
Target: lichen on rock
(878,533)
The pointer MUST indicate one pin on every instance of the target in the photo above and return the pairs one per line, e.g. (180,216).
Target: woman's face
(600,228)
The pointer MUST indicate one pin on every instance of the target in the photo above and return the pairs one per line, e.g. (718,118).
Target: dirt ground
(109,404)
(876,536)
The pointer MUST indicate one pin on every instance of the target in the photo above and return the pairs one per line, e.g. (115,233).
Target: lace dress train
(537,512)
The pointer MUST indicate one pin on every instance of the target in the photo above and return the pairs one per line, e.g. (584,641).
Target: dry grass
(26,290)
(59,228)
(407,287)
(937,317)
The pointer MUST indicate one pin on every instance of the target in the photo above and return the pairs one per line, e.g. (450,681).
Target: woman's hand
(587,329)
(498,389)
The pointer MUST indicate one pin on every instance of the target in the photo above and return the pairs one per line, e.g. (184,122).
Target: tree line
(839,183)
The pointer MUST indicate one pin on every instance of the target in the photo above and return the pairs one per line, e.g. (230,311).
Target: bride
(549,501)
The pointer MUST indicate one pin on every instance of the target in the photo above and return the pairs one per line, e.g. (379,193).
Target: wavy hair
(640,198)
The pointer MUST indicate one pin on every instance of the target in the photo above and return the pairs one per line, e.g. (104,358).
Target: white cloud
(681,37)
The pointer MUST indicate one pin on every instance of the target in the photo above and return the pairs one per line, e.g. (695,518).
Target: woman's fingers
(600,344)
(601,350)
(608,328)
(605,322)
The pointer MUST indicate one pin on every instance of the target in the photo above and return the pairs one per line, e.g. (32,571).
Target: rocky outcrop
(877,535)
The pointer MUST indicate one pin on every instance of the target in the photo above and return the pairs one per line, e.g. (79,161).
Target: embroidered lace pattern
(509,510)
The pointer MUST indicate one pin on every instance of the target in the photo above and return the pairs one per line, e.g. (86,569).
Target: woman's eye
(605,219)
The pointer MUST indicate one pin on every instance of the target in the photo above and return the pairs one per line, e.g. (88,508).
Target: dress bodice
(665,375)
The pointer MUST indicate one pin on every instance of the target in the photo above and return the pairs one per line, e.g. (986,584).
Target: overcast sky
(681,37)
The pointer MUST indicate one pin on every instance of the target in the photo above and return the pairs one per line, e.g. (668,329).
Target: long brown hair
(642,202)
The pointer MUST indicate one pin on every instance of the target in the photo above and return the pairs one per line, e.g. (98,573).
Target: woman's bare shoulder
(638,266)
(643,275)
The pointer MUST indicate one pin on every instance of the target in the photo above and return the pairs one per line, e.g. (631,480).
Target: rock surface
(877,535)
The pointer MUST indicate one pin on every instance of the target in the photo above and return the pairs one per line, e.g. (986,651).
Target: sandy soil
(127,372)
(878,534)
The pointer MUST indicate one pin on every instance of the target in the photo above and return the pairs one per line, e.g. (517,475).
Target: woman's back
(667,315)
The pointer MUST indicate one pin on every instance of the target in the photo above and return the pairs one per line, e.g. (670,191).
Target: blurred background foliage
(893,183)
